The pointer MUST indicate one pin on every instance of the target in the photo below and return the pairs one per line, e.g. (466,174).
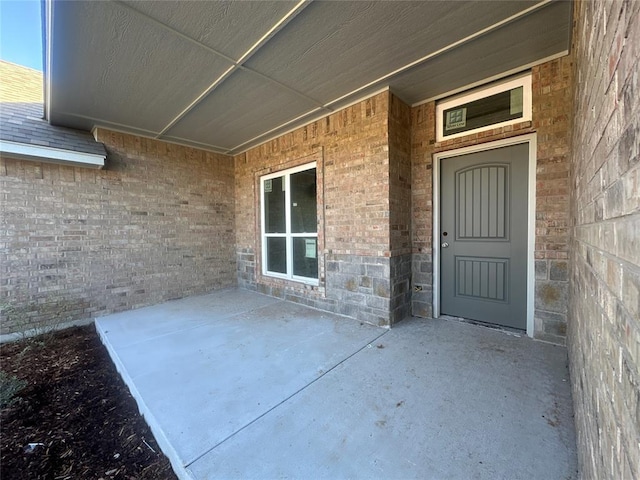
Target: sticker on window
(310,247)
(456,119)
(268,186)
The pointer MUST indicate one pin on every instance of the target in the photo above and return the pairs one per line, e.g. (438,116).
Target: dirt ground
(75,418)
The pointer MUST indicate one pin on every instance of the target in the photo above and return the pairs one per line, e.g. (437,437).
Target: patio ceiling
(226,76)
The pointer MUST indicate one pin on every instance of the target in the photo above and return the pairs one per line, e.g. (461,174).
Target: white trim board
(531,139)
(40,153)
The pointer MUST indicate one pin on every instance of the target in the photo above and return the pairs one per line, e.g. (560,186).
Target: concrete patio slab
(270,389)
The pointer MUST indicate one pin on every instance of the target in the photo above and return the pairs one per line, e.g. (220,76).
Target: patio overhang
(226,76)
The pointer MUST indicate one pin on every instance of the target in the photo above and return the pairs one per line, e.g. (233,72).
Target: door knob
(444,245)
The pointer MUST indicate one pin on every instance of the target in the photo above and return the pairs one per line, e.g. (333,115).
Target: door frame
(530,139)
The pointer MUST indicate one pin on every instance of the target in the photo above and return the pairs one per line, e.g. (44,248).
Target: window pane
(303,202)
(305,257)
(274,205)
(277,254)
(485,111)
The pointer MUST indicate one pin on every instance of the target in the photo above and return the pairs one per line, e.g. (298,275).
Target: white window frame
(288,235)
(523,81)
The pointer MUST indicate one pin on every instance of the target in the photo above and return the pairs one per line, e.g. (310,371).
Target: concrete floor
(235,384)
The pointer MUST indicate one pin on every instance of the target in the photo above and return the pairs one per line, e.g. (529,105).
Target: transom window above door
(496,105)
(290,224)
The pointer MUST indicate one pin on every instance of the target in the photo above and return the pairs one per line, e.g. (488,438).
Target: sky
(21,32)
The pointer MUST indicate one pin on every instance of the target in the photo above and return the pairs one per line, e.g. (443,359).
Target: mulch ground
(78,413)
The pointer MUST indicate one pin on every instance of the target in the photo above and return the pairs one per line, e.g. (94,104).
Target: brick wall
(400,207)
(352,151)
(423,137)
(604,306)
(157,223)
(551,88)
(400,176)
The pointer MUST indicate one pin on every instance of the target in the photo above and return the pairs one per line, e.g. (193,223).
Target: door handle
(444,245)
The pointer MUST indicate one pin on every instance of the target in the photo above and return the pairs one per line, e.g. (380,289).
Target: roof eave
(22,151)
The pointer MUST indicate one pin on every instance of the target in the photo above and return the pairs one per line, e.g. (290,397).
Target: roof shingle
(22,112)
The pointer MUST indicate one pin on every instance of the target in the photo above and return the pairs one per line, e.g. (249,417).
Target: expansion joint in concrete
(368,345)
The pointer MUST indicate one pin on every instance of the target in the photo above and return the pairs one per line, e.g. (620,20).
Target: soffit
(229,75)
(514,45)
(343,45)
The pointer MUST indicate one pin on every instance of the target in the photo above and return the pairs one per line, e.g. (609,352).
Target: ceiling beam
(280,24)
(172,30)
(447,48)
(237,64)
(318,114)
(346,98)
(256,73)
